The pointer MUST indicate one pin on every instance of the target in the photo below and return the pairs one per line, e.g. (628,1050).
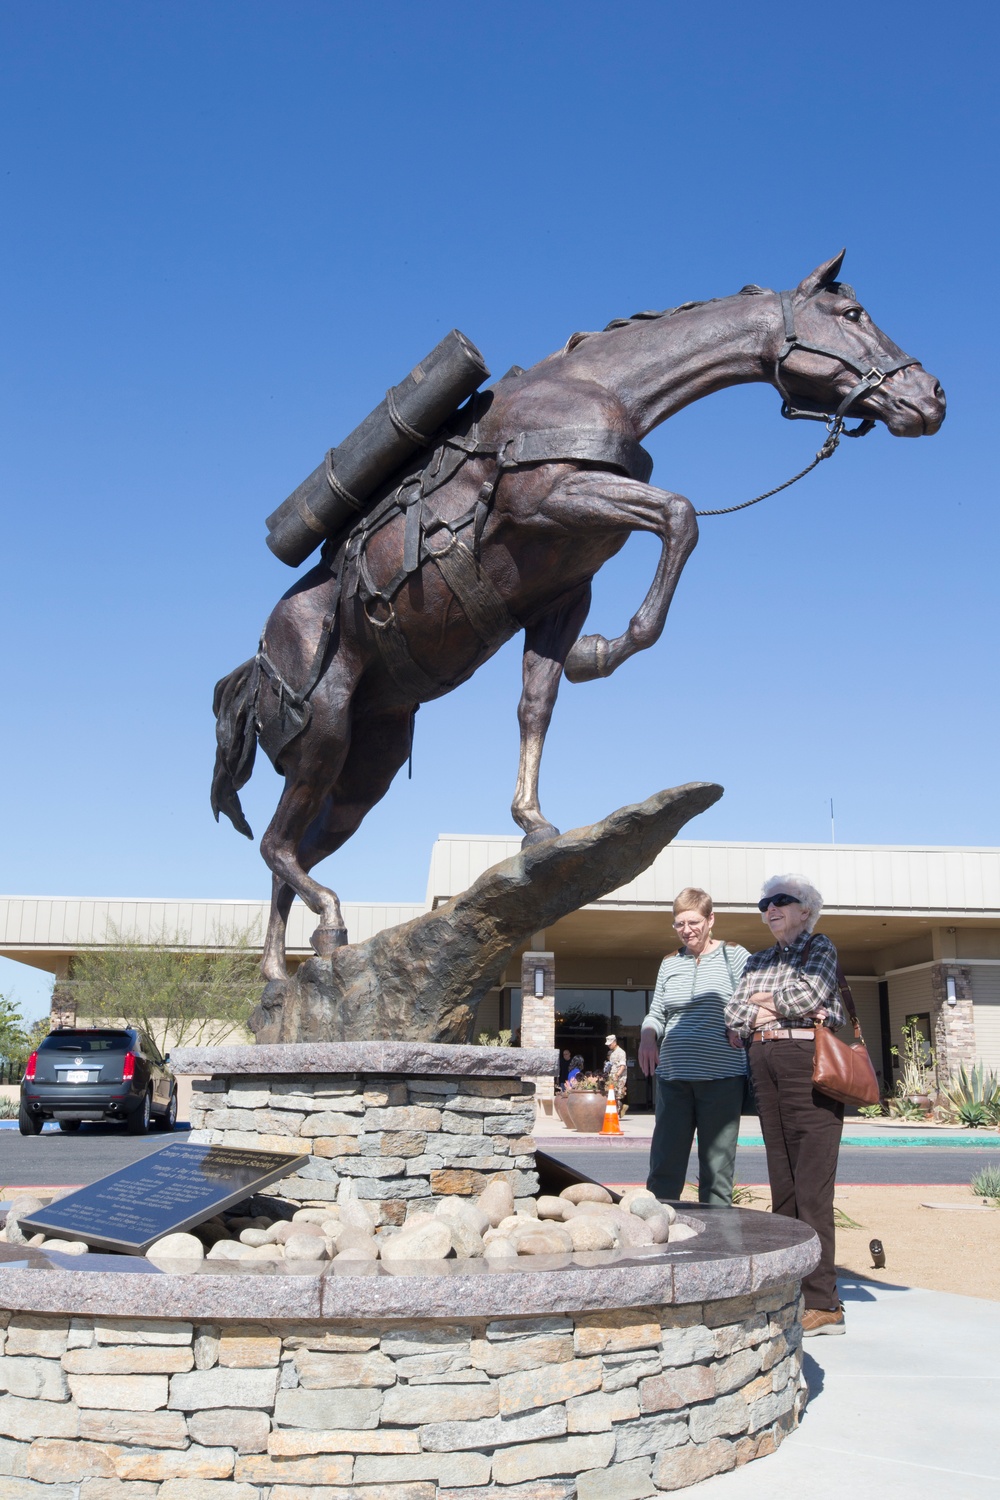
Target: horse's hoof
(326,940)
(540,835)
(587,659)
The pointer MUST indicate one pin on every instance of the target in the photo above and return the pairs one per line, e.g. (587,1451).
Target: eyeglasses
(780,900)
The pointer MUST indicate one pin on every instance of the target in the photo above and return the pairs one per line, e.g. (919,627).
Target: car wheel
(69,1124)
(168,1119)
(27,1123)
(138,1120)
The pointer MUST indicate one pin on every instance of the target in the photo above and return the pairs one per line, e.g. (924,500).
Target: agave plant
(986,1183)
(972,1115)
(978,1088)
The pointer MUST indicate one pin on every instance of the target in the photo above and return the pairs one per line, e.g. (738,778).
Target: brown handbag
(844,1071)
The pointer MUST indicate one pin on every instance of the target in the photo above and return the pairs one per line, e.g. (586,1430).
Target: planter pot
(923,1101)
(560,1103)
(586,1111)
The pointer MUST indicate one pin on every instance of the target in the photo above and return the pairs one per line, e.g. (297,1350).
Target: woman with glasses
(700,1070)
(785,993)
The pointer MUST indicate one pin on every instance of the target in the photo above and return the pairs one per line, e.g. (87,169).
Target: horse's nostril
(939,390)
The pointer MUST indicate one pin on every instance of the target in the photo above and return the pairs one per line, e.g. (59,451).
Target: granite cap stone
(736,1251)
(410,1059)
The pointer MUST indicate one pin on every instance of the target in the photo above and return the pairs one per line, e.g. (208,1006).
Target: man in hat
(616,1071)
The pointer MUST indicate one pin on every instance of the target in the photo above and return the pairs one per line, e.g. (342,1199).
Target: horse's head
(832,347)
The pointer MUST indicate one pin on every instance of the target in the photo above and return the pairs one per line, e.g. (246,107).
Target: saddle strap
(410,678)
(484,608)
(593,445)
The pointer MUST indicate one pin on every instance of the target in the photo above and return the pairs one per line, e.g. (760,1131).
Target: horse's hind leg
(546,644)
(380,746)
(272,964)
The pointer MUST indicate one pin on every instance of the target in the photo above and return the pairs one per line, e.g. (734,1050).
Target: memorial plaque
(169,1191)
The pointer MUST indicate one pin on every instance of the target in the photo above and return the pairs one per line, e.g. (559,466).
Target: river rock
(659,1227)
(352,1239)
(586,1192)
(67,1247)
(501,1249)
(174,1247)
(431,1240)
(553,1208)
(461,1211)
(633,1231)
(269,1252)
(305,1247)
(643,1205)
(588,1232)
(681,1232)
(367,1251)
(255,1237)
(231,1250)
(545,1240)
(357,1215)
(26,1204)
(314,1215)
(496,1201)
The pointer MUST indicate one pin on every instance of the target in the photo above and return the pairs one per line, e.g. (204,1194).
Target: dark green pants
(710,1106)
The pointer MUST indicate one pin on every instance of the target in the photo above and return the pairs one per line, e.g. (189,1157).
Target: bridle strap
(870,378)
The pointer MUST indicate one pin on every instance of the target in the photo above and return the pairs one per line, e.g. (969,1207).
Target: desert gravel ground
(939,1249)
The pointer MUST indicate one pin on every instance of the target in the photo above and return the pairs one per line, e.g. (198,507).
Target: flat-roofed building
(918,931)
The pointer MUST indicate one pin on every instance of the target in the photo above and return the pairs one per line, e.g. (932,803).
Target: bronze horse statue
(500,526)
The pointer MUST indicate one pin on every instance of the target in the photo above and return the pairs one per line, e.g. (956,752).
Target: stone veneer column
(538,1016)
(953,1025)
(62,1011)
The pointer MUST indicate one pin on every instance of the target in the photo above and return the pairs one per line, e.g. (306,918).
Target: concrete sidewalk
(639,1127)
(904,1406)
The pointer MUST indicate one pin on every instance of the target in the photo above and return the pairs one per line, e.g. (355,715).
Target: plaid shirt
(797,989)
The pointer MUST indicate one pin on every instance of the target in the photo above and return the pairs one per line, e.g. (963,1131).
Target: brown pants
(802,1131)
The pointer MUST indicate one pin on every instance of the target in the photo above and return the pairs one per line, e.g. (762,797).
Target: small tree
(177,995)
(13,1037)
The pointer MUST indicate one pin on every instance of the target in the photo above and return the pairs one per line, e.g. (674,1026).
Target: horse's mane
(751,290)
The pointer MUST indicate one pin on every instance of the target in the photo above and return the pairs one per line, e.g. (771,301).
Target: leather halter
(869,379)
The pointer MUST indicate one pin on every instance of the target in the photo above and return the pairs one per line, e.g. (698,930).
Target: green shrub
(502,1039)
(8,1108)
(977,1087)
(905,1109)
(871,1111)
(986,1183)
(973,1115)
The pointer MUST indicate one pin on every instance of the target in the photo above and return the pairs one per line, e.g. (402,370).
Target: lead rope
(828,449)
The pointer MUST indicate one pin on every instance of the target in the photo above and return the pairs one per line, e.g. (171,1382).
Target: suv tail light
(128,1067)
(29,1067)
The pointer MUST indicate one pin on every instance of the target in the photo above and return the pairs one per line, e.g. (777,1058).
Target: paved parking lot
(57,1160)
(54,1158)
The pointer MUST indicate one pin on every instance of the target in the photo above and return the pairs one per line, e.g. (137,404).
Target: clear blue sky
(228,226)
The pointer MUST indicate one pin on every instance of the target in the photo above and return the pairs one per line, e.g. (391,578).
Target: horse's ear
(822,276)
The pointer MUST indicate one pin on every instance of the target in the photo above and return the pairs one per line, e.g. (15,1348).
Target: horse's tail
(234,706)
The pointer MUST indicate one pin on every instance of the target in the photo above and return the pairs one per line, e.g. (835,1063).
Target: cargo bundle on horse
(447,531)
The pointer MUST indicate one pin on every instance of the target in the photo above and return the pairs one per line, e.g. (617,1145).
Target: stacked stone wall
(616,1405)
(400,1144)
(954,1025)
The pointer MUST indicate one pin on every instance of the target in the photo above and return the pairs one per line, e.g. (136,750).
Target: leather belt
(786,1034)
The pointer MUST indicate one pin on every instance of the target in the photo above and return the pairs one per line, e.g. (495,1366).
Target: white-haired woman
(784,994)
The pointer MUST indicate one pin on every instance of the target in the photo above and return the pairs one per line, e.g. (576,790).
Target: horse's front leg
(546,644)
(586,500)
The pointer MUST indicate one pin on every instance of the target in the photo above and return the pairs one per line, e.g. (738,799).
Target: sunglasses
(779,900)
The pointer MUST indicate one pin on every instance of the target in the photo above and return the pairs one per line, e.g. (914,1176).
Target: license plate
(77,1075)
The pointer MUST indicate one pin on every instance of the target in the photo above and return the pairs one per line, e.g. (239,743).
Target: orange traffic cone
(612,1124)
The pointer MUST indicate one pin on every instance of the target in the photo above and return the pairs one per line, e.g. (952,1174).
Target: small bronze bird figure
(877,1254)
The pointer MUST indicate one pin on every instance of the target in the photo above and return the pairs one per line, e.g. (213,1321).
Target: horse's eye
(854,314)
